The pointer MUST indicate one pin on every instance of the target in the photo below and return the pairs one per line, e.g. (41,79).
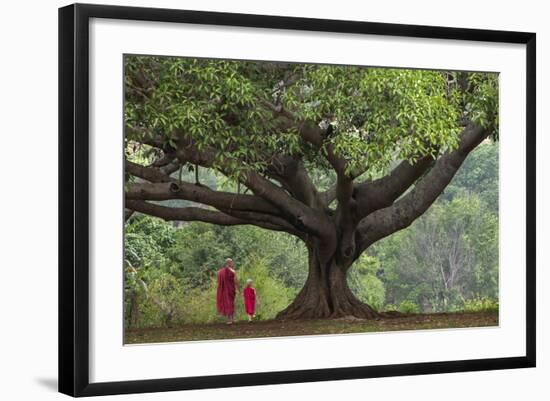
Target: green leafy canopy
(373,116)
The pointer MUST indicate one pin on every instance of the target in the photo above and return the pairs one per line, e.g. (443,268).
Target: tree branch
(308,131)
(148,139)
(147,173)
(175,189)
(295,212)
(402,213)
(328,196)
(381,193)
(292,174)
(193,214)
(265,221)
(182,214)
(164,160)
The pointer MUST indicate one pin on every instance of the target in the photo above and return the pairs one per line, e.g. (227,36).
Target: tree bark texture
(326,293)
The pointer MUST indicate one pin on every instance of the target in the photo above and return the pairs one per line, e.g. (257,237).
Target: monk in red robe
(225,294)
(249,294)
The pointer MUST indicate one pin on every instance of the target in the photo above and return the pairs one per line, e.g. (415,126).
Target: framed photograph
(251,199)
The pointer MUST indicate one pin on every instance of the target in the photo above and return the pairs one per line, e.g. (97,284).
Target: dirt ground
(278,328)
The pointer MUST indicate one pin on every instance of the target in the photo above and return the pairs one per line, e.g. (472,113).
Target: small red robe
(249,300)
(225,294)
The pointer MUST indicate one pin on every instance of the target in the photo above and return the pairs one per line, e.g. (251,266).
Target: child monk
(249,295)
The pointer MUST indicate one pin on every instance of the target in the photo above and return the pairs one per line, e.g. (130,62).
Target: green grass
(277,328)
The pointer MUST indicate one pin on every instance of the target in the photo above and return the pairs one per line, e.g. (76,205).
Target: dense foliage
(375,115)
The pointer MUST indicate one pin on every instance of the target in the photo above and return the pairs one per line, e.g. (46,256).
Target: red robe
(225,294)
(249,300)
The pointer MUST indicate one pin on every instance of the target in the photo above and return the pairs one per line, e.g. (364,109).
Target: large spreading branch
(403,212)
(291,173)
(170,188)
(246,209)
(183,213)
(198,214)
(301,216)
(381,193)
(160,187)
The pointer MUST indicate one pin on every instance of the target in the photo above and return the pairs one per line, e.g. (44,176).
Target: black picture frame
(74,200)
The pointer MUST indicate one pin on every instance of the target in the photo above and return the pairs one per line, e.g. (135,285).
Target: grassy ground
(275,328)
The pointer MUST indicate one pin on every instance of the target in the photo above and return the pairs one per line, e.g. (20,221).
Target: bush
(272,295)
(371,291)
(365,284)
(200,305)
(408,307)
(481,305)
(403,307)
(163,305)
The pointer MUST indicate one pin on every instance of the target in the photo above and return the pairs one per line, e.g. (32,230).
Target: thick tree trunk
(326,293)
